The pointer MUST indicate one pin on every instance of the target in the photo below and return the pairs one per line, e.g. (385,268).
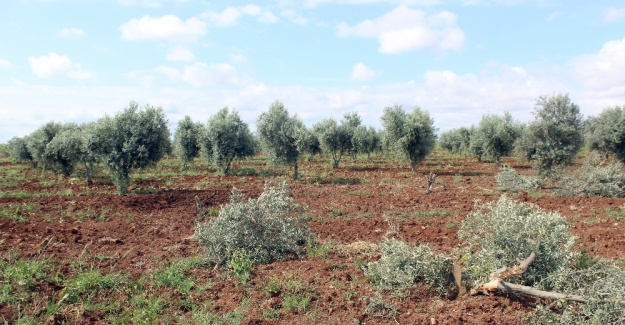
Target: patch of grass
(317,249)
(378,307)
(174,275)
(90,284)
(18,212)
(618,214)
(434,213)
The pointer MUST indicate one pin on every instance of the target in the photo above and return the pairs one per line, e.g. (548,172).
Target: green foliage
(378,307)
(64,151)
(500,233)
(133,138)
(241,264)
(457,141)
(90,284)
(595,178)
(37,141)
(229,137)
(601,282)
(18,150)
(174,275)
(186,141)
(350,122)
(509,180)
(402,265)
(270,226)
(496,135)
(308,142)
(279,134)
(18,274)
(365,140)
(410,136)
(335,140)
(555,136)
(606,132)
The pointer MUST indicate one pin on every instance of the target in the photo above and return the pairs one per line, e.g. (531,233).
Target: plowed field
(75,228)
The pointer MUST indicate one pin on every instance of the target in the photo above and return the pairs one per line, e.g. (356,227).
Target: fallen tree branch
(497,284)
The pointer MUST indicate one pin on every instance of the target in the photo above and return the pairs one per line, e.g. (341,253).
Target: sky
(80,60)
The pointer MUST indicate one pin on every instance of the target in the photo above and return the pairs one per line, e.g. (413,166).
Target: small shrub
(500,233)
(595,178)
(402,265)
(378,307)
(241,264)
(509,181)
(271,227)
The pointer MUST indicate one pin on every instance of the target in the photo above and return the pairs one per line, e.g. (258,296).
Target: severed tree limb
(497,284)
(456,272)
(529,291)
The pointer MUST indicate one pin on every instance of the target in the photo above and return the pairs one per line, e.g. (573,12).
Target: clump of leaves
(403,265)
(271,227)
(500,233)
(595,178)
(509,180)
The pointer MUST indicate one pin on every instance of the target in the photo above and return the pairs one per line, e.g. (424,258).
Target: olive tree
(278,135)
(308,142)
(37,141)
(186,141)
(63,152)
(606,132)
(410,136)
(457,141)
(555,136)
(334,139)
(496,136)
(134,138)
(365,140)
(229,137)
(18,150)
(349,123)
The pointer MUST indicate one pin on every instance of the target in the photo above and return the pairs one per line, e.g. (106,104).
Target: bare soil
(154,225)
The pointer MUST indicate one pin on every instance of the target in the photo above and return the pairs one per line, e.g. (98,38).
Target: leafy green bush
(510,181)
(411,136)
(501,233)
(595,178)
(403,265)
(602,284)
(271,227)
(555,136)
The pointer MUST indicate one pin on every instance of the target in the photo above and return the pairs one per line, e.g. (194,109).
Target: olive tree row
(134,138)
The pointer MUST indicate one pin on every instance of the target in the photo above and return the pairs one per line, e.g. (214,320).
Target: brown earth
(137,233)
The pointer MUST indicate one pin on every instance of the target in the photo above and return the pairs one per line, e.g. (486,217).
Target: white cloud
(228,17)
(612,14)
(231,15)
(168,27)
(252,10)
(268,17)
(180,53)
(71,33)
(361,73)
(55,65)
(201,74)
(404,30)
(602,70)
(4,64)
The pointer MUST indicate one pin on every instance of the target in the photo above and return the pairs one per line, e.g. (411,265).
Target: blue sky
(77,60)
